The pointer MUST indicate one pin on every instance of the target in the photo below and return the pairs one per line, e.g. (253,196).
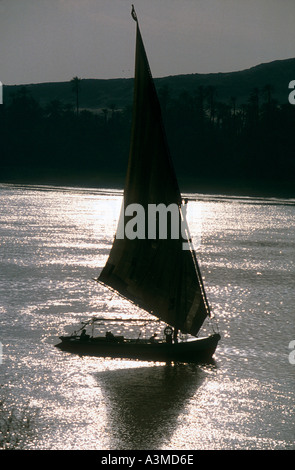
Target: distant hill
(235,134)
(98,94)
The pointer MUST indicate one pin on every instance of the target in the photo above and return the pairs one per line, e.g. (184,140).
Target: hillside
(98,94)
(227,132)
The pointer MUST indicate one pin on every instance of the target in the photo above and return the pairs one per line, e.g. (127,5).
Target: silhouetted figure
(110,336)
(153,338)
(83,335)
(175,333)
(168,334)
(168,338)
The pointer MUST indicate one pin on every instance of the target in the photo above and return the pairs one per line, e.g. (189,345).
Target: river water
(54,240)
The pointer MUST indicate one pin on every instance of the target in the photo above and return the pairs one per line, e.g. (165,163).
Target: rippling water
(54,240)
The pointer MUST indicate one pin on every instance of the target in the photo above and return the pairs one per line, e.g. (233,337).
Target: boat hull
(199,350)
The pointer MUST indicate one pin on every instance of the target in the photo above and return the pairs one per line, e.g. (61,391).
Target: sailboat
(153,272)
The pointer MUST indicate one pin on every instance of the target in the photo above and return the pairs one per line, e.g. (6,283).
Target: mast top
(133,14)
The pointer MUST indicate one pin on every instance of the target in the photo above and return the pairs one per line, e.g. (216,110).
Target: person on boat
(83,335)
(153,338)
(168,334)
(110,336)
(175,335)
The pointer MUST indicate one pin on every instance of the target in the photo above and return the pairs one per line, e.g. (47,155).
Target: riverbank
(231,187)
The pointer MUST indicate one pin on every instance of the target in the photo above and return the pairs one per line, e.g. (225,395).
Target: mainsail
(156,274)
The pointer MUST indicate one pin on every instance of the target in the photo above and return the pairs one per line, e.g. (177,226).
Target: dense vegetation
(215,144)
(249,144)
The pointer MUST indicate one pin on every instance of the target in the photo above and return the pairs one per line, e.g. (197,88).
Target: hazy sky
(55,40)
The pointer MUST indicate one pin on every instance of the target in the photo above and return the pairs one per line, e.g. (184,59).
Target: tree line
(228,141)
(210,140)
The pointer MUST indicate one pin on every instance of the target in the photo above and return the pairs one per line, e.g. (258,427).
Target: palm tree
(233,104)
(253,108)
(76,86)
(200,103)
(211,97)
(267,91)
(105,113)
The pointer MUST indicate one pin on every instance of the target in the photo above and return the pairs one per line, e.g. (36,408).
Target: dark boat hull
(196,351)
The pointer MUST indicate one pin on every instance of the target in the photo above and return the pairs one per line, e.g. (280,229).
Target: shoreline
(235,188)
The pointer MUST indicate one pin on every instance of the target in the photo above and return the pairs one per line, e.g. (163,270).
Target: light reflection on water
(55,240)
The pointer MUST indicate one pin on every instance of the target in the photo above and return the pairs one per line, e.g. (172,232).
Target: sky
(56,40)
